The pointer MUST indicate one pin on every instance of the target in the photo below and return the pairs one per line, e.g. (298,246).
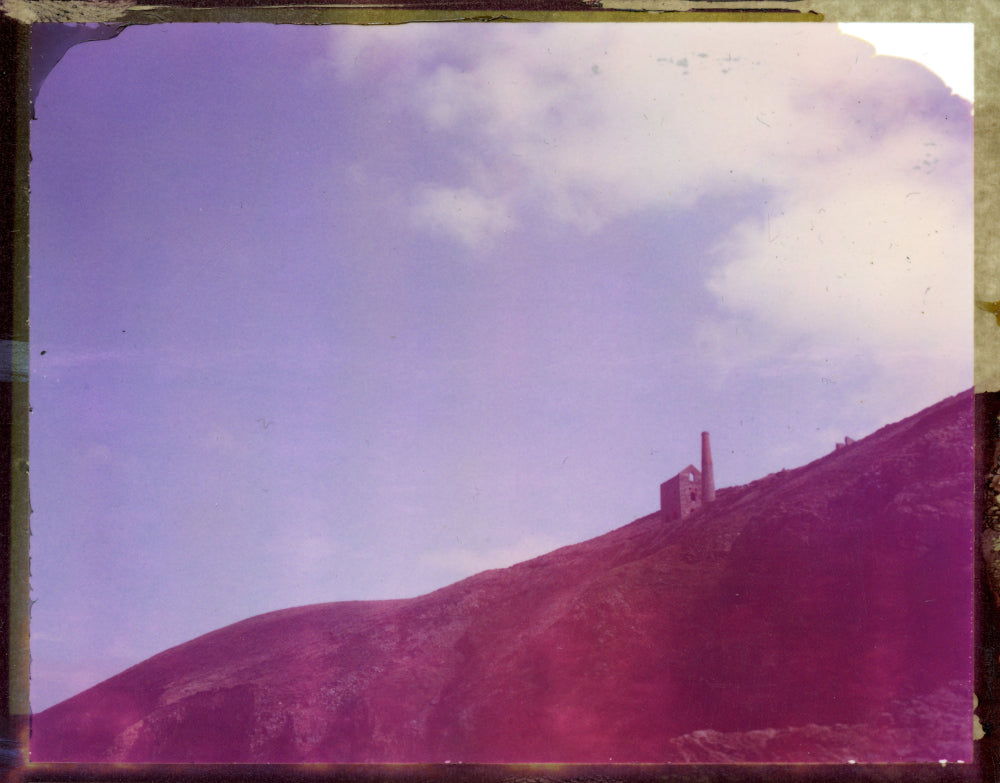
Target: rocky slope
(819,614)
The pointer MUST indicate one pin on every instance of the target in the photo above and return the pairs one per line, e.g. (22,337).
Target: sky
(338,313)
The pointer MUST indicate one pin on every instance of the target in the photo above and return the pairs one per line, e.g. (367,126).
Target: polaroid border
(16,19)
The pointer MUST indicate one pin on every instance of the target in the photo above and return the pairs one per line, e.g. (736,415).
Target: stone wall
(681,495)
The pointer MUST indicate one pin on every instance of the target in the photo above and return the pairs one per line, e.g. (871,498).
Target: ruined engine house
(686,492)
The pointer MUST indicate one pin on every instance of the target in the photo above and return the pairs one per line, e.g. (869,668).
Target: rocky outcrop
(905,726)
(819,614)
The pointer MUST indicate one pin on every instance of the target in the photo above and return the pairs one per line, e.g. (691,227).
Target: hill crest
(790,617)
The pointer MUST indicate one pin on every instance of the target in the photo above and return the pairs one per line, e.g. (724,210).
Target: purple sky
(327,313)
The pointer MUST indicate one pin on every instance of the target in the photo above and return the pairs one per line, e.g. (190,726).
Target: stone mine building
(691,488)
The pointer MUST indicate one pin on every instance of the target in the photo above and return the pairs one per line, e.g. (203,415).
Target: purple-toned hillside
(819,615)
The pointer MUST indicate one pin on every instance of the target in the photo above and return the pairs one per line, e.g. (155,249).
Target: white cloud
(862,265)
(462,213)
(587,122)
(862,248)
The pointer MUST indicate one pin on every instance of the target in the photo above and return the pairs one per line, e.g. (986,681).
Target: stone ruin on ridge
(686,492)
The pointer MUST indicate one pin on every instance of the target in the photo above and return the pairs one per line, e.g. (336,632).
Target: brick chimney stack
(707,476)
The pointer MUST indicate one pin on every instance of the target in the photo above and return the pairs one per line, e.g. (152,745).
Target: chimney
(707,477)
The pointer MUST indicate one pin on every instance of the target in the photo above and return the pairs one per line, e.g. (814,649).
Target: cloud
(862,264)
(856,169)
(874,267)
(589,122)
(462,213)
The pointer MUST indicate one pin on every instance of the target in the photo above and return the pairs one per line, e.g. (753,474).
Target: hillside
(818,614)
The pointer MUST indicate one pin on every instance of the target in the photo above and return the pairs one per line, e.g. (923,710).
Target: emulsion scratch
(990,307)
